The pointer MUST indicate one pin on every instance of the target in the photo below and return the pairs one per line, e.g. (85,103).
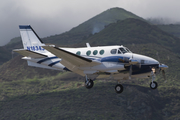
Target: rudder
(30,39)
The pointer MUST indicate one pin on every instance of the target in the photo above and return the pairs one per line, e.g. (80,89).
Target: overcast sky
(50,17)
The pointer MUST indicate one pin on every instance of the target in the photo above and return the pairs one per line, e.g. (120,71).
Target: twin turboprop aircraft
(117,62)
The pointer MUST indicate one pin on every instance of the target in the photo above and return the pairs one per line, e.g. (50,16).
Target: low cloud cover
(57,16)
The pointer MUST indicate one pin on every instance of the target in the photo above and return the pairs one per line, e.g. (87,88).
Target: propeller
(130,71)
(130,62)
(163,73)
(162,67)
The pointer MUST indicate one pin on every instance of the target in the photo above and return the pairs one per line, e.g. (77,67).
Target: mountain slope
(4,55)
(6,51)
(173,29)
(91,26)
(17,69)
(134,31)
(54,99)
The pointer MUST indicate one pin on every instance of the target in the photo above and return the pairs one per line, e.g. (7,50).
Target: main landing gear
(153,84)
(88,83)
(119,88)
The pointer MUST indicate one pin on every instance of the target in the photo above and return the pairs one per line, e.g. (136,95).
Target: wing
(72,61)
(28,53)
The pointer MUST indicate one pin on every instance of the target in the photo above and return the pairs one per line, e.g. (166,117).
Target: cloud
(49,17)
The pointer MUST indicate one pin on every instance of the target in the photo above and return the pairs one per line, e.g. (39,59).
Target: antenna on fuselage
(88,45)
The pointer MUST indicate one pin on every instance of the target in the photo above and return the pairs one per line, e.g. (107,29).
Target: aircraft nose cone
(145,59)
(154,61)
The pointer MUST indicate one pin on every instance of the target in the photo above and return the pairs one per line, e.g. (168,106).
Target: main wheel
(119,88)
(153,85)
(89,84)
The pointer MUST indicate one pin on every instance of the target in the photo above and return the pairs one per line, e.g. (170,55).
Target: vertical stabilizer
(30,39)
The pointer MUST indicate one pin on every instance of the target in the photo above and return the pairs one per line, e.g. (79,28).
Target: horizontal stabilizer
(28,53)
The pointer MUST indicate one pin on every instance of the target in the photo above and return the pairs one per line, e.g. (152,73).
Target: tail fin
(30,39)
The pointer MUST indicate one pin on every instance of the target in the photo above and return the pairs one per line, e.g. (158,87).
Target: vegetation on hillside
(4,55)
(6,51)
(17,69)
(173,29)
(58,98)
(91,26)
(135,31)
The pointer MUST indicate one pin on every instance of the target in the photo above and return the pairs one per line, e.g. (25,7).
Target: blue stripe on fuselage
(53,63)
(109,59)
(112,59)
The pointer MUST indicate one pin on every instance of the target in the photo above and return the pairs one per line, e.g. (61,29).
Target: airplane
(116,62)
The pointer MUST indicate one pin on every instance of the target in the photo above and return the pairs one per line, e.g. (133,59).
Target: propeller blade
(124,60)
(121,60)
(130,71)
(163,73)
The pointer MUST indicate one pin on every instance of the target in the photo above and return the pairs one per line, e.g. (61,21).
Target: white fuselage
(108,56)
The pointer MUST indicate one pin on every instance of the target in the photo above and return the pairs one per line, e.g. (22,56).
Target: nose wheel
(119,88)
(153,85)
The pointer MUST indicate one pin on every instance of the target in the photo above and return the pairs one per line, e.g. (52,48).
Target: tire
(90,84)
(153,85)
(119,88)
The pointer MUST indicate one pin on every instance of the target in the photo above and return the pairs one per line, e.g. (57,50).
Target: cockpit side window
(113,51)
(119,52)
(123,50)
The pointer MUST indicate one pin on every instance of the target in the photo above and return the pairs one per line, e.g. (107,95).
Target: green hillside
(45,99)
(6,51)
(4,55)
(17,69)
(173,29)
(134,31)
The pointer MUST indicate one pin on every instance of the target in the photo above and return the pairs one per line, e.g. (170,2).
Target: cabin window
(88,52)
(95,52)
(101,52)
(78,53)
(113,51)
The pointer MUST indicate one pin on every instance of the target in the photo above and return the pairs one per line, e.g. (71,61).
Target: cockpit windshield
(128,50)
(124,50)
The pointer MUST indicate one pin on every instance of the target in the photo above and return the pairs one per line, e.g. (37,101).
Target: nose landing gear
(153,84)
